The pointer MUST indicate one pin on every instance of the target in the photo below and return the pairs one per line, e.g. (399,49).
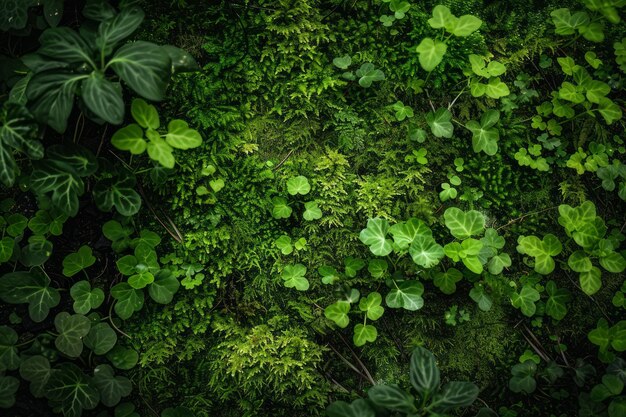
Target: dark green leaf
(103,98)
(424,373)
(70,388)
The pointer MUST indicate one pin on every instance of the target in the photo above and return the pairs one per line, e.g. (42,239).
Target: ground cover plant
(350,208)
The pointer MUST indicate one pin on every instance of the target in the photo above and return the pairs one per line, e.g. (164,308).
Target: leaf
(112,388)
(129,300)
(130,138)
(466,25)
(440,123)
(462,224)
(123,358)
(118,28)
(98,10)
(164,287)
(407,295)
(369,74)
(182,61)
(78,261)
(118,192)
(284,244)
(480,296)
(70,388)
(525,300)
(85,299)
(556,305)
(281,209)
(579,262)
(159,150)
(8,389)
(51,97)
(610,111)
(442,18)
(375,236)
(404,233)
(145,67)
(590,281)
(590,233)
(7,245)
(181,136)
(424,373)
(312,211)
(145,114)
(402,111)
(431,53)
(103,98)
(71,330)
(64,44)
(36,370)
(541,250)
(364,333)
(495,88)
(484,136)
(338,313)
(446,281)
(17,132)
(342,62)
(498,263)
(293,275)
(425,251)
(523,377)
(574,218)
(377,267)
(613,262)
(371,306)
(32,288)
(392,398)
(9,355)
(455,394)
(101,338)
(352,266)
(298,185)
(565,23)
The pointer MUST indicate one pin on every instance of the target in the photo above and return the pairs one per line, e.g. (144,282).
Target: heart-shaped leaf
(71,330)
(9,358)
(407,295)
(298,185)
(129,300)
(123,358)
(431,53)
(338,313)
(118,192)
(404,233)
(425,251)
(293,275)
(364,333)
(466,25)
(375,236)
(164,287)
(112,388)
(280,209)
(440,123)
(541,250)
(556,305)
(369,74)
(371,306)
(78,261)
(463,224)
(342,62)
(85,298)
(446,281)
(312,211)
(525,300)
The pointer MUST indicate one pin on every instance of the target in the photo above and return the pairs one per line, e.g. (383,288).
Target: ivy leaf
(574,218)
(565,23)
(281,209)
(101,338)
(404,233)
(37,252)
(590,281)
(70,388)
(424,373)
(145,114)
(352,266)
(425,251)
(145,67)
(498,263)
(32,288)
(377,267)
(112,388)
(9,357)
(123,358)
(338,313)
(36,370)
(85,299)
(164,287)
(523,379)
(484,136)
(181,136)
(541,250)
(440,123)
(129,300)
(610,111)
(407,295)
(463,224)
(579,262)
(480,296)
(590,233)
(159,150)
(442,18)
(495,88)
(466,25)
(364,333)
(293,275)
(556,305)
(369,74)
(8,389)
(431,53)
(392,398)
(71,330)
(130,138)
(375,236)
(525,300)
(119,193)
(312,211)
(298,185)
(371,306)
(446,281)
(402,111)
(78,261)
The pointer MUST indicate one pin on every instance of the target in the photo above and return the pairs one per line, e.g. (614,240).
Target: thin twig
(283,161)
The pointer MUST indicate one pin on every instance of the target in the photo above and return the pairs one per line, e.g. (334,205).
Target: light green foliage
(407,295)
(431,53)
(525,300)
(375,236)
(484,135)
(541,250)
(440,123)
(464,224)
(298,185)
(294,277)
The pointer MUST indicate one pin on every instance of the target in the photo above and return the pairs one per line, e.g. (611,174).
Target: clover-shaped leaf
(123,358)
(145,114)
(342,62)
(298,185)
(375,236)
(464,224)
(9,358)
(369,74)
(78,261)
(404,233)
(442,18)
(556,305)
(466,25)
(484,135)
(402,111)
(446,281)
(352,266)
(85,298)
(71,330)
(364,333)
(377,267)
(164,287)
(338,313)
(280,209)
(407,295)
(480,296)
(498,263)
(431,53)
(312,211)
(112,388)
(293,275)
(440,123)
(181,136)
(541,250)
(371,306)
(525,300)
(101,338)
(284,244)
(70,388)
(130,138)
(523,379)
(129,300)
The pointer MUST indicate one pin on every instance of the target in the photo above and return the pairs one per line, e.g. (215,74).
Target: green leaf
(18,131)
(98,10)
(440,123)
(130,138)
(64,44)
(613,262)
(590,233)
(498,263)
(32,288)
(466,25)
(392,398)
(119,193)
(36,370)
(281,209)
(523,377)
(70,388)
(579,262)
(85,299)
(371,306)
(425,251)
(364,333)
(164,287)
(8,389)
(495,88)
(591,281)
(71,330)
(342,62)
(442,18)
(431,53)
(284,244)
(51,97)
(112,388)
(103,98)
(368,74)
(16,224)
(159,150)
(424,373)
(13,15)
(78,261)
(312,211)
(375,236)
(404,233)
(525,300)
(480,296)
(407,295)
(462,224)
(338,313)
(129,300)
(570,92)
(293,275)
(145,67)
(123,358)
(574,218)
(7,245)
(565,23)
(446,281)
(145,114)
(377,267)
(455,394)
(541,250)
(358,408)
(402,111)
(556,305)
(114,30)
(9,355)
(484,136)
(298,185)
(181,136)
(101,338)
(610,111)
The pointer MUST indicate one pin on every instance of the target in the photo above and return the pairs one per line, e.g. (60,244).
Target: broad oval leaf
(392,398)
(424,373)
(103,98)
